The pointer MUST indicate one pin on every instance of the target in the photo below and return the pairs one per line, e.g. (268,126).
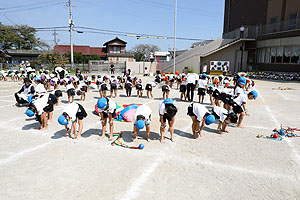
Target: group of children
(228,101)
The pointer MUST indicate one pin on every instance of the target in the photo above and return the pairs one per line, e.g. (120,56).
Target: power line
(121,33)
(36,7)
(26,5)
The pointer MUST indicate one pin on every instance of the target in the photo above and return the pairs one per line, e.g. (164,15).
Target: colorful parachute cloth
(123,112)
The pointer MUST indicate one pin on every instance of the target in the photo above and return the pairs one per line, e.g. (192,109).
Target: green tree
(141,50)
(20,37)
(94,57)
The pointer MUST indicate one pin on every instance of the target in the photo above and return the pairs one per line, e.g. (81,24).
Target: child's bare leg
(50,116)
(219,131)
(111,127)
(241,117)
(162,131)
(104,122)
(171,128)
(148,132)
(80,123)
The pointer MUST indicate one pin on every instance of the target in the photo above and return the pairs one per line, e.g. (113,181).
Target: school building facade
(258,35)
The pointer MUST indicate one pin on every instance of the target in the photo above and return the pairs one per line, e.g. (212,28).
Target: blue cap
(255,94)
(168,101)
(204,75)
(102,103)
(140,124)
(62,120)
(242,80)
(29,113)
(210,119)
(141,146)
(30,100)
(37,78)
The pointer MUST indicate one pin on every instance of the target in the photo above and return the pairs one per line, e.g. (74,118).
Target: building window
(279,54)
(116,49)
(273,22)
(287,54)
(293,20)
(268,54)
(262,53)
(295,54)
(273,54)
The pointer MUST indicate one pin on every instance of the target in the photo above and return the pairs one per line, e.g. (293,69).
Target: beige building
(228,50)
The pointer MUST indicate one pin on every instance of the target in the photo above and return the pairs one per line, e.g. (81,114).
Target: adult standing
(112,68)
(190,87)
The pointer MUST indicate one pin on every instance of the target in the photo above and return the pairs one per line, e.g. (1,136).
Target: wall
(244,12)
(274,10)
(139,67)
(228,54)
(193,62)
(292,6)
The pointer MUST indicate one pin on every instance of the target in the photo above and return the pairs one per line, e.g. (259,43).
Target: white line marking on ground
(284,97)
(7,101)
(136,185)
(22,153)
(295,154)
(7,105)
(236,168)
(259,127)
(6,96)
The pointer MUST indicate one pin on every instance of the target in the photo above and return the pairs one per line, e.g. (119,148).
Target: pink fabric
(129,115)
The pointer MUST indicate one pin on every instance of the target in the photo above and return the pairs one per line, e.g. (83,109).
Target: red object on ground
(275,135)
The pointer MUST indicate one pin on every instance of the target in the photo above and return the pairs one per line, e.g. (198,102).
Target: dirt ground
(45,165)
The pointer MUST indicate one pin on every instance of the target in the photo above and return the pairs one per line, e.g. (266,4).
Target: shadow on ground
(183,134)
(59,134)
(127,136)
(35,126)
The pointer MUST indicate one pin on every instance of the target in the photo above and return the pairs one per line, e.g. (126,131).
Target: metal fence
(104,66)
(255,31)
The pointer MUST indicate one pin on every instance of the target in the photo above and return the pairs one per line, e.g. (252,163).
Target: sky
(197,19)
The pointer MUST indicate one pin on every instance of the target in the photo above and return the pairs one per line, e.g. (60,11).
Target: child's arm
(201,128)
(245,109)
(67,130)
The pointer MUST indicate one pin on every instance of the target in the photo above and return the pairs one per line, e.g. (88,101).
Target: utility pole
(175,16)
(55,34)
(71,23)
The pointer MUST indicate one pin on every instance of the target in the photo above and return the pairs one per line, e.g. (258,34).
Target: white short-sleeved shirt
(69,86)
(81,84)
(111,107)
(59,69)
(242,98)
(191,78)
(40,88)
(221,112)
(41,103)
(238,90)
(227,91)
(152,83)
(145,111)
(202,83)
(162,108)
(76,78)
(71,110)
(199,110)
(66,80)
